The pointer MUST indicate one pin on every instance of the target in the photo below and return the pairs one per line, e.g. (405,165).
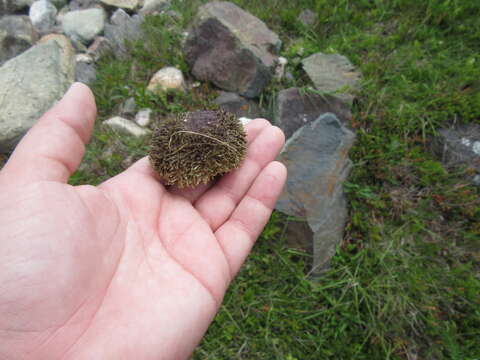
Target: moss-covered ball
(193,148)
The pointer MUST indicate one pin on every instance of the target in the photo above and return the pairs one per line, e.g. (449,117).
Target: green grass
(405,283)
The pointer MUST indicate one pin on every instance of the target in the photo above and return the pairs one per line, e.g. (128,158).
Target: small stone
(238,105)
(143,117)
(82,4)
(289,76)
(123,28)
(307,17)
(332,74)
(459,146)
(167,78)
(12,6)
(125,4)
(280,69)
(60,14)
(154,6)
(119,17)
(85,69)
(295,108)
(59,3)
(99,48)
(129,107)
(16,35)
(476,180)
(42,13)
(84,24)
(123,125)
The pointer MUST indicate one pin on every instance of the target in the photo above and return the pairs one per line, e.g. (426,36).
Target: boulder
(332,74)
(460,146)
(238,105)
(167,78)
(16,35)
(84,25)
(123,28)
(231,48)
(316,157)
(295,108)
(29,85)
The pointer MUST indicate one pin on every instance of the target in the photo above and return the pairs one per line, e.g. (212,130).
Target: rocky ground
(413,178)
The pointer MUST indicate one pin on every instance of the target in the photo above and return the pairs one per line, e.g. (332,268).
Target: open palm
(129,269)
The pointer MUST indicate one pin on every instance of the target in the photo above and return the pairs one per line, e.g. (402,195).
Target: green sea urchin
(193,148)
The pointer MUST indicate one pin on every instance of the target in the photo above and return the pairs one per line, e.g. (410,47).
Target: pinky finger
(239,233)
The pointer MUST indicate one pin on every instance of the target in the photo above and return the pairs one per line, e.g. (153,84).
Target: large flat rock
(29,85)
(316,157)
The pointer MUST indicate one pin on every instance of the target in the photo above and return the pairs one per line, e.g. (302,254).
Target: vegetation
(405,283)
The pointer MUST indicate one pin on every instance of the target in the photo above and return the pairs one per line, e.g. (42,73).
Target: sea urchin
(193,148)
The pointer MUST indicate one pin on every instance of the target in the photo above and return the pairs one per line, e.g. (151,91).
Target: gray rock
(459,146)
(126,126)
(295,108)
(280,68)
(476,180)
(84,25)
(82,4)
(43,14)
(316,157)
(129,107)
(154,6)
(12,6)
(167,78)
(85,71)
(59,3)
(289,76)
(123,28)
(16,35)
(29,85)
(332,73)
(99,48)
(143,117)
(125,4)
(238,105)
(232,49)
(307,17)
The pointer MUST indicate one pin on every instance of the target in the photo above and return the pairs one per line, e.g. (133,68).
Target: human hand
(129,269)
